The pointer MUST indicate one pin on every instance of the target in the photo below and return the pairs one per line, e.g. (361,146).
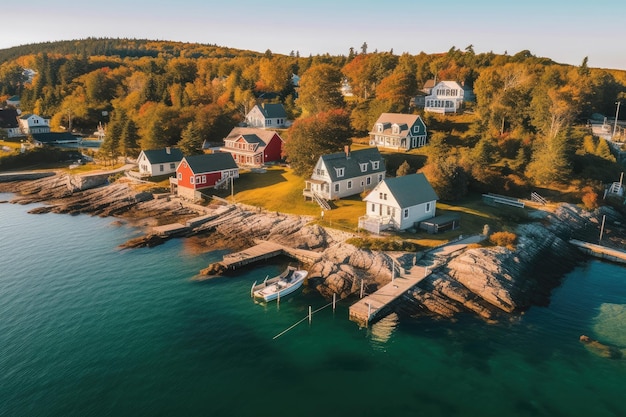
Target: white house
(31,123)
(159,161)
(345,173)
(445,97)
(399,203)
(398,131)
(267,115)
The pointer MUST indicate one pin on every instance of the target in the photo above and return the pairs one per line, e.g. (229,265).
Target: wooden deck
(169,229)
(599,251)
(371,308)
(265,250)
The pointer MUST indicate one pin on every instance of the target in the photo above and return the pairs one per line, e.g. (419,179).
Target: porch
(376,224)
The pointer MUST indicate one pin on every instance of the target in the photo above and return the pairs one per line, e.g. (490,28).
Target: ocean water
(87,329)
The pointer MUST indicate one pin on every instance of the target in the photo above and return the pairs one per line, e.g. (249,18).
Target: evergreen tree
(128,143)
(190,142)
(403,169)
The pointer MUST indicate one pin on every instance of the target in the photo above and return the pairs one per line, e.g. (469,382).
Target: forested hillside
(151,94)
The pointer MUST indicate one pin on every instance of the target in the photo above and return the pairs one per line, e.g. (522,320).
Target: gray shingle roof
(211,162)
(272,110)
(404,122)
(411,190)
(161,156)
(265,135)
(351,165)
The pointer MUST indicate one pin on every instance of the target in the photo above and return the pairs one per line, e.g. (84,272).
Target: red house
(199,172)
(253,147)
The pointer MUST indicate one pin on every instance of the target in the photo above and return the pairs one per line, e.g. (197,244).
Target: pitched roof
(162,156)
(8,118)
(429,83)
(272,110)
(252,138)
(211,162)
(55,137)
(450,84)
(411,190)
(265,135)
(351,165)
(404,121)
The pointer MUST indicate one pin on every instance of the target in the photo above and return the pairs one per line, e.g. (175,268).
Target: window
(340,172)
(173,165)
(385,196)
(204,179)
(380,195)
(406,213)
(373,208)
(191,179)
(380,127)
(375,164)
(161,167)
(427,207)
(395,129)
(380,177)
(368,180)
(337,187)
(180,175)
(349,184)
(388,211)
(363,167)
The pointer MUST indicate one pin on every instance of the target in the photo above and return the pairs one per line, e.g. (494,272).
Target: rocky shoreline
(489,282)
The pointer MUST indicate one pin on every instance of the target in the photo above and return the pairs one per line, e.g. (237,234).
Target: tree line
(152,94)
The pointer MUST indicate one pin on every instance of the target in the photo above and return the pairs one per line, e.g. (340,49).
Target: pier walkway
(613,255)
(264,250)
(374,306)
(370,308)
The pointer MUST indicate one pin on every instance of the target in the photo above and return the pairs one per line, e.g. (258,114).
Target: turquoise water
(90,330)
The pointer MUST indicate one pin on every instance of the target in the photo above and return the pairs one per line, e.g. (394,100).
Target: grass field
(278,189)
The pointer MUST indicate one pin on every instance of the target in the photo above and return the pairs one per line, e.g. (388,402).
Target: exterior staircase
(321,202)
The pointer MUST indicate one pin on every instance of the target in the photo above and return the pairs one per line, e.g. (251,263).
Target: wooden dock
(370,308)
(602,252)
(265,250)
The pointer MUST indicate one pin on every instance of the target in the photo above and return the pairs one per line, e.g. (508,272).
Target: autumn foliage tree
(313,136)
(319,89)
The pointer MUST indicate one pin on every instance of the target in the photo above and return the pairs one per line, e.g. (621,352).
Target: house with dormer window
(345,173)
(31,123)
(398,131)
(399,203)
(253,146)
(267,116)
(445,97)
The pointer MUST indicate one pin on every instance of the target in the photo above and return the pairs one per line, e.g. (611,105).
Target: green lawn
(278,189)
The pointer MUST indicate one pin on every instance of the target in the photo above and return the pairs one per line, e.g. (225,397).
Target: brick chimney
(168,150)
(347,151)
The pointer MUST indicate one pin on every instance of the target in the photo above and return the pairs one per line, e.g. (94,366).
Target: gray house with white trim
(398,131)
(345,173)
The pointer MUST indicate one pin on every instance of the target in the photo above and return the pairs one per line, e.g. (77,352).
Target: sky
(565,31)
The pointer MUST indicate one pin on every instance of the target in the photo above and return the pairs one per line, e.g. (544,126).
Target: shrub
(388,244)
(506,239)
(590,198)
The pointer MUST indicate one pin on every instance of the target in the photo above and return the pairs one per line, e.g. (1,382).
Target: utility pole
(616,116)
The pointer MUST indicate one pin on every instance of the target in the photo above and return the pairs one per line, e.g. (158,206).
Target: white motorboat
(280,286)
